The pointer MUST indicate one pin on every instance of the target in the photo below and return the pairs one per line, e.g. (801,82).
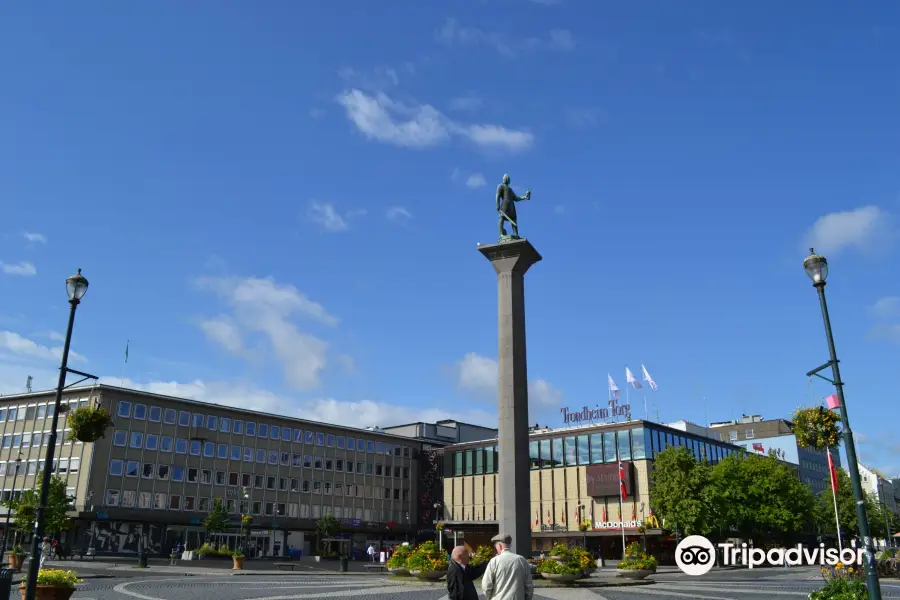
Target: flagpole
(622,524)
(125,362)
(837,520)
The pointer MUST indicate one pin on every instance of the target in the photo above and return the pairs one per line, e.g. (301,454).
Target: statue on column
(506,206)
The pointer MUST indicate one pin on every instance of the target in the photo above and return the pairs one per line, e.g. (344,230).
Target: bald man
(461,577)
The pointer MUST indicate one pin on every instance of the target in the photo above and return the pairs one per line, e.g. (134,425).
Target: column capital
(511,255)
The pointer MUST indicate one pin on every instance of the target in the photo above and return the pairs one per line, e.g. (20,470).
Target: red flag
(604,514)
(577,516)
(833,472)
(622,480)
(833,401)
(562,514)
(548,517)
(537,518)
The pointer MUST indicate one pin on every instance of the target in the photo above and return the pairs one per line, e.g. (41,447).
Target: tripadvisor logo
(696,555)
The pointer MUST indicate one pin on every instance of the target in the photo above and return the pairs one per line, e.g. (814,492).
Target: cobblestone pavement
(728,585)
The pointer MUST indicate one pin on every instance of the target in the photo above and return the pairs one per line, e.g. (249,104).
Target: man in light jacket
(508,575)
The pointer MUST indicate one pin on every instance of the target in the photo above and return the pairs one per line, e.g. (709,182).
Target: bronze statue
(506,206)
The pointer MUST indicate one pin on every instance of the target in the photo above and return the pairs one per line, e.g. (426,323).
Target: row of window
(132,468)
(31,467)
(36,439)
(40,411)
(162,501)
(602,447)
(733,435)
(250,428)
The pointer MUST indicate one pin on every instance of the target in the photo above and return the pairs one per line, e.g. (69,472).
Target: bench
(379,566)
(290,564)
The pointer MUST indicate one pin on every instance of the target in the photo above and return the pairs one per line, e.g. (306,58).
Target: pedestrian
(46,549)
(508,575)
(371,552)
(461,576)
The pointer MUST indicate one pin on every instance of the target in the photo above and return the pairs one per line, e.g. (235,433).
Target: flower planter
(401,571)
(561,577)
(238,562)
(189,555)
(429,575)
(589,570)
(88,424)
(16,561)
(560,559)
(635,573)
(50,592)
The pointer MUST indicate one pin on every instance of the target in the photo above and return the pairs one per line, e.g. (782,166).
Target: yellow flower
(839,565)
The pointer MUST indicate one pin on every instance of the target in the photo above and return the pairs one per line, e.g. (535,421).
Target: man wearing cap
(461,577)
(508,575)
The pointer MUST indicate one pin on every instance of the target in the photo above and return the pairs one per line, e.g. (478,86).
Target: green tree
(58,503)
(217,519)
(326,527)
(677,492)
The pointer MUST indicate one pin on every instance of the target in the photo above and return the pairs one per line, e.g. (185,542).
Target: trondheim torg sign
(586,414)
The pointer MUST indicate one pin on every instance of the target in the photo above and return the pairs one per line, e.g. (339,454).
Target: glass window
(250,428)
(195,447)
(162,472)
(489,462)
(184,418)
(222,451)
(534,454)
(546,457)
(248,454)
(556,445)
(329,440)
(596,448)
(637,443)
(310,437)
(273,457)
(152,442)
(584,450)
(115,466)
(169,416)
(237,427)
(275,432)
(124,410)
(211,422)
(140,412)
(137,439)
(263,430)
(340,442)
(469,461)
(320,439)
(198,420)
(155,414)
(119,437)
(225,425)
(285,434)
(479,461)
(370,446)
(609,446)
(360,445)
(624,444)
(571,450)
(298,436)
(209,449)
(177,473)
(457,463)
(261,455)
(235,452)
(131,468)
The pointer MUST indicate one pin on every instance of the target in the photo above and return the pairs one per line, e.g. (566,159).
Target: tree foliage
(327,526)
(677,493)
(58,502)
(878,517)
(217,519)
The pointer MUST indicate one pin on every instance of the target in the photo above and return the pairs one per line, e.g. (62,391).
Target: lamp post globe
(816,266)
(76,286)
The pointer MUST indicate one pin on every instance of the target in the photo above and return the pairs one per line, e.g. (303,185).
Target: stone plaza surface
(155,584)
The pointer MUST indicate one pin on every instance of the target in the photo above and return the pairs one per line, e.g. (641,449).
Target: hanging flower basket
(816,427)
(88,423)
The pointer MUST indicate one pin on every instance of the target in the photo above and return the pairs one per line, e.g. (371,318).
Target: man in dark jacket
(461,577)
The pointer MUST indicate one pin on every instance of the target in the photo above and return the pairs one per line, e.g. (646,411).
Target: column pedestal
(511,260)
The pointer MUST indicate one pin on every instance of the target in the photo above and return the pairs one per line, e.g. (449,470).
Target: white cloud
(886,307)
(886,331)
(862,228)
(225,332)
(326,217)
(367,413)
(479,374)
(266,308)
(470,101)
(35,238)
(18,345)
(475,181)
(508,45)
(25,269)
(53,335)
(398,214)
(382,119)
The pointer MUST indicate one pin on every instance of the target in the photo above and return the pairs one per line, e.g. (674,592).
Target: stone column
(511,259)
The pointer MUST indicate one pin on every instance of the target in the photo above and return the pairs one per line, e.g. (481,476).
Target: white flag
(629,378)
(612,384)
(649,379)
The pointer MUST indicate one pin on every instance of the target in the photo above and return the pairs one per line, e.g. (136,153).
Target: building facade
(158,471)
(574,480)
(762,436)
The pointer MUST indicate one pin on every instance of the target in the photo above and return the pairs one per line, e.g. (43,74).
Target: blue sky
(278,203)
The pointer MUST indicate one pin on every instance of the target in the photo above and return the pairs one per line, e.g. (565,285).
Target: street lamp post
(244,502)
(9,508)
(76,287)
(817,268)
(581,509)
(644,526)
(437,519)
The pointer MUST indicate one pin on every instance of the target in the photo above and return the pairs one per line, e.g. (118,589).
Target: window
(273,457)
(177,473)
(638,448)
(534,454)
(732,436)
(310,437)
(306,486)
(275,432)
(155,414)
(282,484)
(147,471)
(350,463)
(748,434)
(211,422)
(263,430)
(140,412)
(285,434)
(270,482)
(124,410)
(556,446)
(370,446)
(490,464)
(195,447)
(571,449)
(220,477)
(235,453)
(295,485)
(298,436)
(128,499)
(209,449)
(184,418)
(624,437)
(198,421)
(152,442)
(251,428)
(112,498)
(169,416)
(115,466)
(225,425)
(131,468)
(258,482)
(205,476)
(328,463)
(222,451)
(119,437)
(379,470)
(174,502)
(166,443)
(317,462)
(204,505)
(189,503)
(257,506)
(261,455)
(307,461)
(137,439)
(245,480)
(238,427)
(162,472)
(327,488)
(339,465)
(609,446)
(317,487)
(351,443)
(248,454)
(340,442)
(397,470)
